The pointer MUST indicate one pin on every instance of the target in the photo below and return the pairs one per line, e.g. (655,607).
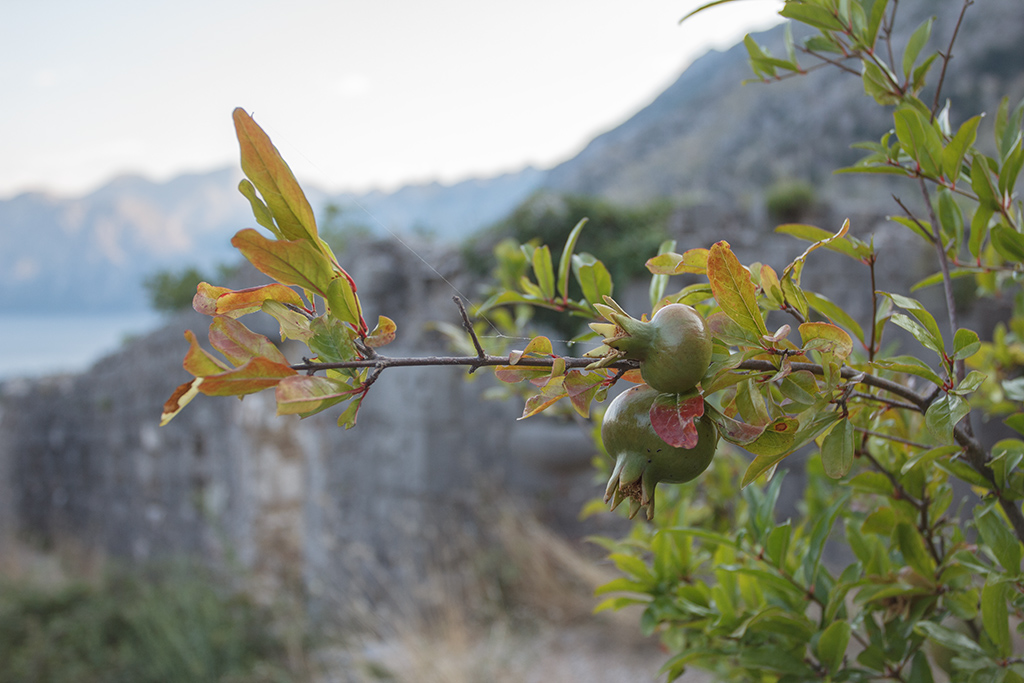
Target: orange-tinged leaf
(734,289)
(179,399)
(240,302)
(307,394)
(383,333)
(827,338)
(633,376)
(256,375)
(198,361)
(264,166)
(205,300)
(692,261)
(295,262)
(238,343)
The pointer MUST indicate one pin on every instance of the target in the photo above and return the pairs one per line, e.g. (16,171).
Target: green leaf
(774,445)
(943,415)
(259,209)
(812,15)
(917,41)
(999,540)
(923,335)
(979,228)
(837,450)
(954,153)
(343,302)
(295,262)
(965,344)
(927,456)
(1011,168)
(544,272)
(995,616)
(832,645)
(294,325)
(951,219)
(332,340)
(778,543)
(947,637)
(910,365)
(919,138)
(263,165)
(879,84)
(1008,242)
(912,548)
(734,289)
(593,276)
(659,281)
(565,263)
(819,535)
(981,183)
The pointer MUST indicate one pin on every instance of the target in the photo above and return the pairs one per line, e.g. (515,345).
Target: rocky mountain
(709,139)
(91,253)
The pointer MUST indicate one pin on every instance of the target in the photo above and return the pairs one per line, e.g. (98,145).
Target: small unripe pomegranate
(642,459)
(673,347)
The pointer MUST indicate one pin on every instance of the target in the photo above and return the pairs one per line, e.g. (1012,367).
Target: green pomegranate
(673,347)
(642,459)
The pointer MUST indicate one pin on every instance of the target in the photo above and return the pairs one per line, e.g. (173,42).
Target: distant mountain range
(705,139)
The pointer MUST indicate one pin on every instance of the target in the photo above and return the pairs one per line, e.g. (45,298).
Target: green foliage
(171,291)
(789,201)
(177,628)
(622,237)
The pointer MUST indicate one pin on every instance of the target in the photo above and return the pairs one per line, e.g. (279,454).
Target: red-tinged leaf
(550,394)
(205,300)
(734,431)
(264,166)
(294,262)
(734,289)
(771,448)
(308,394)
(256,375)
(672,418)
(344,304)
(179,399)
(235,304)
(512,373)
(238,343)
(693,261)
(581,387)
(383,333)
(294,325)
(827,338)
(199,361)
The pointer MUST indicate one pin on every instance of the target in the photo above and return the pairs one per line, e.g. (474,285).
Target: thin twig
(891,403)
(946,57)
(469,328)
(890,437)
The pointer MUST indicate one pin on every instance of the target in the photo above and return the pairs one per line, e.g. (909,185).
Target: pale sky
(356,94)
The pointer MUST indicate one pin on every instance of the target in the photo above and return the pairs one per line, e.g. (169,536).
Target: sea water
(37,344)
